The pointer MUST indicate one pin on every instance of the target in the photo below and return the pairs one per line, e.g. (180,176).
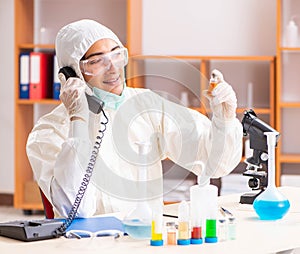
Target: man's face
(111,79)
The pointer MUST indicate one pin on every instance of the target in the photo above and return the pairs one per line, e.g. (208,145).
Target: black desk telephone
(35,230)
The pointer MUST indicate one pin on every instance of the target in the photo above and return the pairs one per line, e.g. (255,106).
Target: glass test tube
(214,81)
(222,230)
(231,228)
(183,224)
(171,233)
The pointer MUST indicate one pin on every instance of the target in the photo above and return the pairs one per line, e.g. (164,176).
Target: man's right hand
(72,95)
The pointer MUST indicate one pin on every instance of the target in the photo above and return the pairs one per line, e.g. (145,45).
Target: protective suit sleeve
(58,169)
(209,147)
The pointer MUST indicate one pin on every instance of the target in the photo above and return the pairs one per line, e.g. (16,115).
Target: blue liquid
(271,210)
(137,229)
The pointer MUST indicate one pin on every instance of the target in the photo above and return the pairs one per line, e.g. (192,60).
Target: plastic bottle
(204,208)
(291,34)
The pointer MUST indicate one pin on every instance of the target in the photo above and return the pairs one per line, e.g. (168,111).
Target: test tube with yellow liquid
(157,227)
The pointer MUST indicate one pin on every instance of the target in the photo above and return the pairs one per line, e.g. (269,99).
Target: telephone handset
(95,104)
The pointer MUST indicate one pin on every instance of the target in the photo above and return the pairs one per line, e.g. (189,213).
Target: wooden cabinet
(287,89)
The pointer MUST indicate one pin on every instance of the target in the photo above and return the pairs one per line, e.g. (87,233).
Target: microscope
(257,166)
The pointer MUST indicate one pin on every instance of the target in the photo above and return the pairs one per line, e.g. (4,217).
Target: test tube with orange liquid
(215,79)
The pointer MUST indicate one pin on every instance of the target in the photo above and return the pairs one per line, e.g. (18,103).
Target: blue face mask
(111,100)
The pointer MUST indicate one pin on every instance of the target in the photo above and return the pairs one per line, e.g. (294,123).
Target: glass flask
(271,204)
(137,223)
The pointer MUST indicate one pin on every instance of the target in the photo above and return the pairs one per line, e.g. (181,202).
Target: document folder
(41,75)
(95,224)
(24,62)
(56,82)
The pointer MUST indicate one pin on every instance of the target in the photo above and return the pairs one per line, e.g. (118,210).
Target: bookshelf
(288,92)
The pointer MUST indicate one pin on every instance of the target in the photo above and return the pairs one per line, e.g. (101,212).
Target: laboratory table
(253,235)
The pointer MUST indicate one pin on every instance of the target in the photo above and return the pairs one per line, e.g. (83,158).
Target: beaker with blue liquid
(271,204)
(137,223)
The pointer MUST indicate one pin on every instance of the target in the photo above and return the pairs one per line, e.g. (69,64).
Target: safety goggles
(84,234)
(97,65)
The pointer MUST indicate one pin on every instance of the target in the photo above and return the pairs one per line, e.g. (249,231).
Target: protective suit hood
(74,39)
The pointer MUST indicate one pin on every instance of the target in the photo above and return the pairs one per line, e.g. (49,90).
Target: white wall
(107,12)
(215,27)
(208,28)
(7,96)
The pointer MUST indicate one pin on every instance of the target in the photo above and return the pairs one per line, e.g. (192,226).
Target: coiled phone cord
(60,231)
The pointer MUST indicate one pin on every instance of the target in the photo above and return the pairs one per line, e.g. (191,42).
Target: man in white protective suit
(63,147)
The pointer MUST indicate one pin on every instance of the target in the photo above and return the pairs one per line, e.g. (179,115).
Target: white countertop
(253,235)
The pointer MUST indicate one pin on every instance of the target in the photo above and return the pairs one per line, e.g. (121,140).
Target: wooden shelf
(289,104)
(289,158)
(33,46)
(283,71)
(200,57)
(43,101)
(289,49)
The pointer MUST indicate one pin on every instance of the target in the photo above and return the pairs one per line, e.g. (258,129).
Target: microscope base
(248,198)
